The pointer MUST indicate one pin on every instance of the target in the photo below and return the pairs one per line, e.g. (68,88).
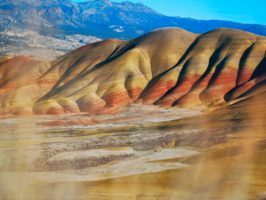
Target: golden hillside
(168,67)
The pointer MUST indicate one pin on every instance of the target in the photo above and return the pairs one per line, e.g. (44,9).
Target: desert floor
(144,152)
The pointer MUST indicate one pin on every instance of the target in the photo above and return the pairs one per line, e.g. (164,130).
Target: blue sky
(246,11)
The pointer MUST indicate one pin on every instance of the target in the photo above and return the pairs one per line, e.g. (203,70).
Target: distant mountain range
(100,18)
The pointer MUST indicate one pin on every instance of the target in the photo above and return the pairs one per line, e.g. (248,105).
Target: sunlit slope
(20,86)
(119,79)
(168,67)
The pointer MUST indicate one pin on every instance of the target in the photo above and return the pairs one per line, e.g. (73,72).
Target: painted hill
(100,18)
(167,67)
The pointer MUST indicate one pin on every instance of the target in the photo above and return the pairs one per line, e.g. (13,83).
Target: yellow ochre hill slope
(167,67)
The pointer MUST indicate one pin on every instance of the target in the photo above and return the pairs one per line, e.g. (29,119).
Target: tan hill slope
(216,63)
(169,67)
(20,86)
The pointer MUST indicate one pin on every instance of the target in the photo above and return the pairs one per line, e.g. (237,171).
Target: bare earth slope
(168,67)
(22,42)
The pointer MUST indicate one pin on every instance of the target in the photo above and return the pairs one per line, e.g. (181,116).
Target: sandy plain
(143,153)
